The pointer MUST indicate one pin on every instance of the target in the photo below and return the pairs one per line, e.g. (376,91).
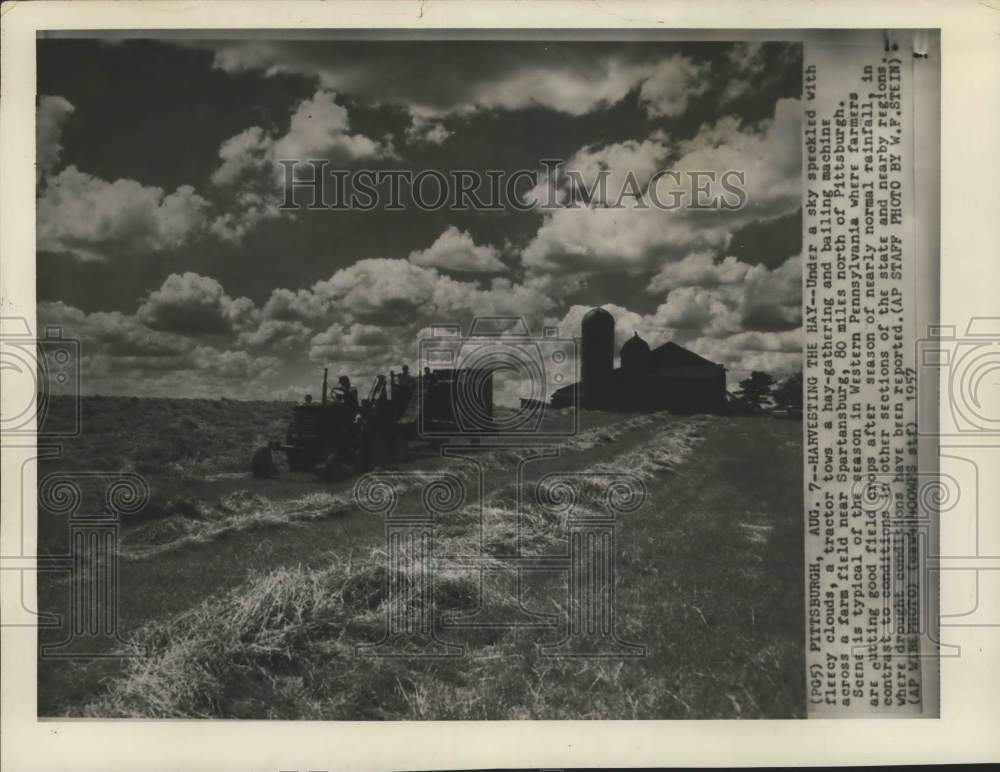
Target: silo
(597,354)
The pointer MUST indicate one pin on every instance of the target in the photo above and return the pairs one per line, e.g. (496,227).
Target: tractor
(339,437)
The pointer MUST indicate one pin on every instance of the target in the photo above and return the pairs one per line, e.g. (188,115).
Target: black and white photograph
(426,385)
(415,377)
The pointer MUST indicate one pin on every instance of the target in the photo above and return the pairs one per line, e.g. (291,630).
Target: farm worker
(405,380)
(347,393)
(402,389)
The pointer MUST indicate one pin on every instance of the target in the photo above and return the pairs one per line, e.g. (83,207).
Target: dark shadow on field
(710,581)
(193,475)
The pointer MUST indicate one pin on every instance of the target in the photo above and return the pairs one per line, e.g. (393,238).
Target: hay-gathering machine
(340,436)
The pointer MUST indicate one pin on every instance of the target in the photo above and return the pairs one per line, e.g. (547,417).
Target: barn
(669,377)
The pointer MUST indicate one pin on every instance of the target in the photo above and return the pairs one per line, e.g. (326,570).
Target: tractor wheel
(377,452)
(297,460)
(334,469)
(399,447)
(262,464)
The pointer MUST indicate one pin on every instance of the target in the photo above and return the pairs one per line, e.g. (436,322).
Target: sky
(162,247)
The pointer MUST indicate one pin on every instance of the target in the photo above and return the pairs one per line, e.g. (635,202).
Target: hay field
(247,599)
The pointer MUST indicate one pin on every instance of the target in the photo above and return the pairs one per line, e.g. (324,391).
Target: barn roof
(672,355)
(669,355)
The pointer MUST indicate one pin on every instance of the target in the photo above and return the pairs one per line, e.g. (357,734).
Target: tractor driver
(347,393)
(405,380)
(402,389)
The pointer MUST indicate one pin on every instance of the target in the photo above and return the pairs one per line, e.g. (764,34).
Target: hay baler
(337,439)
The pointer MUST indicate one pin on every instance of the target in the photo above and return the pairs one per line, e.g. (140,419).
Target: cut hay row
(184,522)
(283,644)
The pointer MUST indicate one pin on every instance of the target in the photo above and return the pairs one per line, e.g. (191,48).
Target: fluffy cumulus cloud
(671,84)
(94,219)
(51,116)
(694,309)
(250,172)
(747,66)
(274,334)
(123,355)
(739,315)
(699,269)
(190,336)
(772,299)
(630,239)
(91,218)
(250,150)
(565,89)
(572,79)
(113,333)
(454,250)
(379,291)
(596,176)
(637,236)
(191,303)
(424,129)
(778,353)
(355,343)
(753,66)
(318,128)
(768,154)
(234,364)
(301,305)
(368,318)
(736,297)
(398,292)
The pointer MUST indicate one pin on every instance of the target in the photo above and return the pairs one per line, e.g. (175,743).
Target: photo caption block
(866,537)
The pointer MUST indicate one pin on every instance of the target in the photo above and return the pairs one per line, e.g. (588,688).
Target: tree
(789,393)
(755,389)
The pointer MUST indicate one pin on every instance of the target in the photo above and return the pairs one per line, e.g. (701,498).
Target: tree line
(761,388)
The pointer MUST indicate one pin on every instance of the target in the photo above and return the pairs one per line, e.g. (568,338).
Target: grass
(156,436)
(174,521)
(175,444)
(710,581)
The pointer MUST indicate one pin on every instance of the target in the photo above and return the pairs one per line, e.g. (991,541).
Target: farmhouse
(668,377)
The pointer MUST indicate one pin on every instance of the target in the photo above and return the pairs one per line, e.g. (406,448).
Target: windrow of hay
(663,453)
(282,645)
(188,522)
(180,522)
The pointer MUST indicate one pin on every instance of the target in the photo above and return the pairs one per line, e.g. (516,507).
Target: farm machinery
(339,436)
